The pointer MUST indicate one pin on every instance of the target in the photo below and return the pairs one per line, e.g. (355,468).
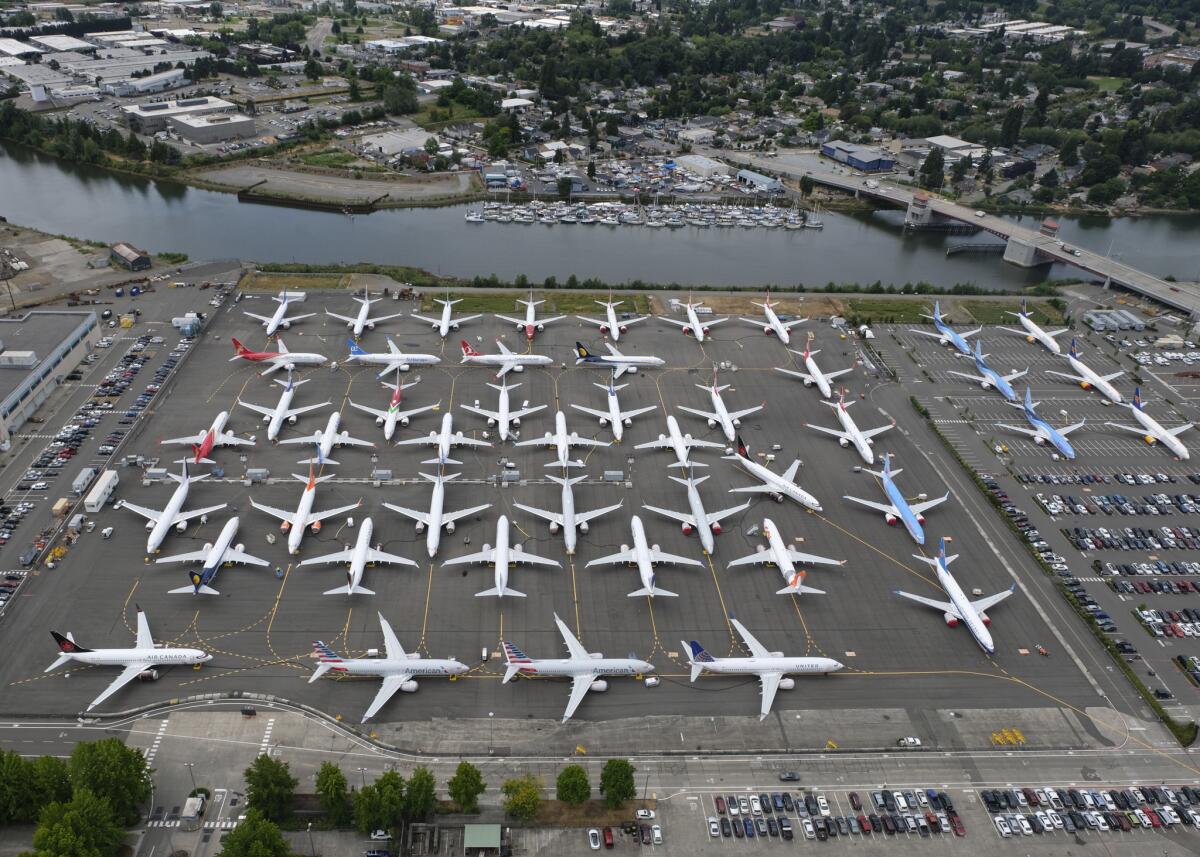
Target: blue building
(863,158)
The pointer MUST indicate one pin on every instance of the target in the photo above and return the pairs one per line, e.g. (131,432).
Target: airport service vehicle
(784,558)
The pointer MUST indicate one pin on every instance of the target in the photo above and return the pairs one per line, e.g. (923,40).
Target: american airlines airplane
(361,320)
(295,523)
(899,509)
(697,519)
(1042,432)
(506,361)
(960,608)
(680,444)
(504,418)
(644,556)
(283,410)
(784,558)
(772,484)
(159,523)
(851,434)
(614,416)
(358,557)
(393,416)
(609,325)
(138,661)
(446,322)
(814,375)
(781,329)
(398,669)
(946,334)
(989,378)
(213,555)
(720,415)
(693,326)
(500,558)
(276,360)
(204,443)
(431,522)
(1033,333)
(616,361)
(444,440)
(1153,432)
(278,319)
(326,439)
(770,667)
(1087,377)
(531,324)
(392,360)
(568,520)
(581,666)
(562,440)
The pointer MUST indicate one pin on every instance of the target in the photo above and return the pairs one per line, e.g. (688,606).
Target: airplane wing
(524,412)
(717,517)
(663,556)
(281,514)
(295,412)
(1134,429)
(344,318)
(378,319)
(870,433)
(313,517)
(1114,376)
(464,319)
(614,559)
(391,684)
(450,517)
(196,513)
(737,415)
(600,322)
(504,349)
(918,508)
(967,375)
(391,645)
(682,517)
(228,438)
(584,517)
(574,647)
(149,514)
(1012,376)
(337,556)
(194,556)
(944,606)
(756,648)
(1028,432)
(488,555)
(637,412)
(812,558)
(517,321)
(544,514)
(708,415)
(265,319)
(309,439)
(505,368)
(990,601)
(762,557)
(788,325)
(711,322)
(544,321)
(258,409)
(373,411)
(769,683)
(234,555)
(436,322)
(673,321)
(601,415)
(422,517)
(1066,431)
(580,685)
(127,675)
(545,440)
(430,439)
(374,555)
(345,440)
(1014,330)
(1175,432)
(628,321)
(1056,332)
(419,410)
(829,431)
(524,556)
(577,440)
(145,640)
(662,443)
(829,376)
(491,415)
(463,440)
(796,373)
(194,439)
(936,334)
(292,318)
(1071,377)
(886,508)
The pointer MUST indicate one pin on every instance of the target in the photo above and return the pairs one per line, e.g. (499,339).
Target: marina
(699,215)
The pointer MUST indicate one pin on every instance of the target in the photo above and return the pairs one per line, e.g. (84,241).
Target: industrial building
(954,148)
(61,43)
(13,48)
(161,82)
(702,165)
(761,183)
(128,256)
(863,158)
(213,128)
(155,116)
(1113,319)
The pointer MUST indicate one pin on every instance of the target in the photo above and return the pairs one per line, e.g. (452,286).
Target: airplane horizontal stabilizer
(349,590)
(798,589)
(652,591)
(190,590)
(497,592)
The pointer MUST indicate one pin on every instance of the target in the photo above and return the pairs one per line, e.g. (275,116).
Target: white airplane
(279,319)
(581,666)
(135,662)
(945,334)
(397,668)
(503,417)
(697,518)
(431,522)
(770,667)
(851,434)
(326,439)
(531,324)
(614,416)
(392,360)
(814,375)
(362,321)
(159,523)
(446,323)
(213,556)
(609,325)
(500,558)
(358,557)
(1033,333)
(781,329)
(206,441)
(295,523)
(720,415)
(276,360)
(562,441)
(1153,432)
(568,519)
(773,484)
(506,361)
(960,608)
(283,410)
(644,556)
(784,558)
(1041,431)
(1087,377)
(680,444)
(393,416)
(899,509)
(443,440)
(614,360)
(989,378)
(693,326)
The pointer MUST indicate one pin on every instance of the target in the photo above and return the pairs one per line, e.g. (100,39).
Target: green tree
(616,782)
(591,170)
(48,781)
(522,797)
(572,786)
(331,787)
(564,187)
(85,827)
(1010,128)
(431,145)
(466,786)
(215,11)
(117,772)
(270,787)
(807,185)
(255,836)
(380,806)
(420,797)
(1049,178)
(933,174)
(312,70)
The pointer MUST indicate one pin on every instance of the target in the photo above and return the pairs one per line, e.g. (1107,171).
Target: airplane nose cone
(646,667)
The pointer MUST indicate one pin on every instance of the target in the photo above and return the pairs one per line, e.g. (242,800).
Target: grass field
(262,282)
(426,116)
(898,310)
(994,312)
(557,303)
(329,158)
(1108,84)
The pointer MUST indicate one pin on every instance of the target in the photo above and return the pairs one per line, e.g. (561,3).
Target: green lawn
(898,310)
(433,117)
(994,312)
(1108,84)
(329,158)
(557,303)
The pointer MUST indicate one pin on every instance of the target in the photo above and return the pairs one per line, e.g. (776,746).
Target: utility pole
(190,766)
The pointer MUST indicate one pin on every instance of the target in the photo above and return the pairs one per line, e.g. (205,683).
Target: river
(71,199)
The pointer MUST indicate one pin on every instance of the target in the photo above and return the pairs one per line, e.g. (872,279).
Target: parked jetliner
(393,416)
(205,442)
(278,319)
(615,360)
(680,444)
(500,558)
(503,416)
(581,666)
(1032,332)
(899,509)
(531,323)
(989,378)
(1153,432)
(326,439)
(1042,431)
(784,558)
(851,434)
(814,375)
(443,440)
(295,523)
(693,326)
(160,523)
(397,668)
(431,522)
(770,667)
(960,608)
(720,415)
(614,416)
(275,360)
(213,556)
(568,519)
(781,329)
(446,323)
(776,485)
(140,660)
(1087,377)
(946,334)
(392,360)
(562,441)
(358,557)
(697,518)
(361,320)
(609,325)
(283,409)
(506,361)
(644,556)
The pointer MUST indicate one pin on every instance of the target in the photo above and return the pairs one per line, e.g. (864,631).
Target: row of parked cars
(1154,585)
(1103,478)
(1112,504)
(1034,811)
(1133,538)
(1170,623)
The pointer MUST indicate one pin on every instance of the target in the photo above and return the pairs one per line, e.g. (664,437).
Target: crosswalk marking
(153,751)
(264,746)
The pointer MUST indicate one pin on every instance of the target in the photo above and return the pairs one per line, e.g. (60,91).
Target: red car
(720,802)
(957,825)
(855,802)
(864,825)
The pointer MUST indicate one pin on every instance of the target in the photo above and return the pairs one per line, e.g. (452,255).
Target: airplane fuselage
(275,421)
(975,625)
(423,667)
(501,556)
(1036,334)
(330,433)
(641,552)
(906,516)
(433,534)
(570,535)
(703,528)
(788,666)
(298,525)
(723,418)
(780,556)
(818,377)
(1155,433)
(778,484)
(776,326)
(216,554)
(1048,432)
(158,531)
(678,442)
(121,657)
(1091,379)
(856,438)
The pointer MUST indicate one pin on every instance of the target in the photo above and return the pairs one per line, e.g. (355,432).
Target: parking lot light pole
(311,847)
(363,773)
(190,766)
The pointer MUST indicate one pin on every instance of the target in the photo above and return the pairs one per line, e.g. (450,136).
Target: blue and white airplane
(946,335)
(899,509)
(989,378)
(1042,432)
(1033,333)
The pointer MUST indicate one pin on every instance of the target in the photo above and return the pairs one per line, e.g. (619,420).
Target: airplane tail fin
(1137,398)
(327,660)
(194,588)
(1074,352)
(581,352)
(67,645)
(799,589)
(565,481)
(354,348)
(467,350)
(238,349)
(697,658)
(503,385)
(743,451)
(515,659)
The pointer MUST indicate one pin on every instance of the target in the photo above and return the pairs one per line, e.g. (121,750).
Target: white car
(1055,819)
(823,805)
(714,828)
(644,814)
(809,833)
(656,832)
(594,839)
(1026,827)
(755,806)
(1002,827)
(981,214)
(379,835)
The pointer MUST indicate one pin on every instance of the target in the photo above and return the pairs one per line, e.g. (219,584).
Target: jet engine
(705,330)
(686,331)
(687,529)
(554,528)
(316,526)
(891,519)
(807,383)
(787,683)
(516,421)
(712,423)
(951,619)
(148,675)
(403,421)
(518,368)
(240,548)
(181,527)
(604,329)
(404,367)
(370,325)
(624,329)
(599,685)
(379,421)
(583,527)
(450,527)
(843,442)
(541,327)
(1151,439)
(421,527)
(628,422)
(716,528)
(767,331)
(985,619)
(285,525)
(454,325)
(1039,440)
(987,385)
(943,341)
(292,420)
(491,422)
(603,421)
(286,325)
(409,686)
